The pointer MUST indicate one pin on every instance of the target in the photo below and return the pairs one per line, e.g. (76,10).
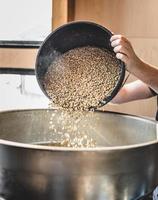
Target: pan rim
(81,149)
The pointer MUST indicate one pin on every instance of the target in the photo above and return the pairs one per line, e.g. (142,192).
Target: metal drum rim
(69,149)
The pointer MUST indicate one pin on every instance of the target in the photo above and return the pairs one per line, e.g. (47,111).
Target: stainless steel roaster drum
(123,166)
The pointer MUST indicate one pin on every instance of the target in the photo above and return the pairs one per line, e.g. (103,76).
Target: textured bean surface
(82,77)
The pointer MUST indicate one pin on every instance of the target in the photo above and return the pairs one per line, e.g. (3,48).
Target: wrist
(134,65)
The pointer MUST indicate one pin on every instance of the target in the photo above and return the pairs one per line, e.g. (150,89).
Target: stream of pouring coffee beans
(76,81)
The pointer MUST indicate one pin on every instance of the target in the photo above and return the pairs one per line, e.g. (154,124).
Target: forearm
(131,92)
(147,73)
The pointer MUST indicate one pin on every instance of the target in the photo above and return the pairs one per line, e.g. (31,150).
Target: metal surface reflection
(117,172)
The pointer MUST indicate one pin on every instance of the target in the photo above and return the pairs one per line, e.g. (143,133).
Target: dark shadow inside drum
(106,128)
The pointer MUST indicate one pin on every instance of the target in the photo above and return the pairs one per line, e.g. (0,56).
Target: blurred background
(25,24)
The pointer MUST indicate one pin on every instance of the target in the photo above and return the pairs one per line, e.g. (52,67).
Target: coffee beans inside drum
(82,77)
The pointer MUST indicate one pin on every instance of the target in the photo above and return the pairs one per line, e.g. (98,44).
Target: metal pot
(123,170)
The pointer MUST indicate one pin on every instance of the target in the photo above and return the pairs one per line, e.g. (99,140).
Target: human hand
(124,51)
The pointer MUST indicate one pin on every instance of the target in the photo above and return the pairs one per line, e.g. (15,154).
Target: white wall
(20,92)
(25,19)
